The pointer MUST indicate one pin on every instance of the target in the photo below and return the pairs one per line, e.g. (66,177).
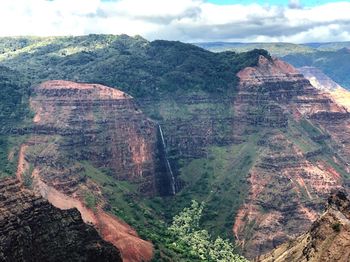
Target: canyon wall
(293,174)
(83,133)
(322,82)
(97,124)
(279,144)
(328,239)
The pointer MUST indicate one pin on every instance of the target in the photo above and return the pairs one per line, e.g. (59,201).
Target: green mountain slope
(14,114)
(275,49)
(132,64)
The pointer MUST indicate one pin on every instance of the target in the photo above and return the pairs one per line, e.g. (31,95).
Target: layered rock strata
(288,181)
(88,122)
(79,130)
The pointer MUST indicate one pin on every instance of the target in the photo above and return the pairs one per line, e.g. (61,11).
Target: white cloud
(186,20)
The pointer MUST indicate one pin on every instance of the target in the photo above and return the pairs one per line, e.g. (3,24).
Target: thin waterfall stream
(168,166)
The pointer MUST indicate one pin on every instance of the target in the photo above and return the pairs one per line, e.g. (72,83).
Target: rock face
(80,129)
(301,153)
(327,240)
(292,174)
(97,124)
(34,230)
(191,122)
(321,81)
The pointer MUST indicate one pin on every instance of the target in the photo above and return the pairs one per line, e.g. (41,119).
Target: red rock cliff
(79,127)
(288,181)
(101,125)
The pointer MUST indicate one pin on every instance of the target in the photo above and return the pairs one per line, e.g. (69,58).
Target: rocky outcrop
(34,230)
(79,130)
(89,122)
(292,174)
(327,240)
(276,82)
(111,228)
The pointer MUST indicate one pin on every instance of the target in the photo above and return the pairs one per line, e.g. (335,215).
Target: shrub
(336,227)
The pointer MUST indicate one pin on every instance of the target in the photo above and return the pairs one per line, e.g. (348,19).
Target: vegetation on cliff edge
(132,64)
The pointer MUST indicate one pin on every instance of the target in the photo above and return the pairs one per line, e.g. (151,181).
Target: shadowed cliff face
(34,230)
(328,239)
(80,129)
(292,174)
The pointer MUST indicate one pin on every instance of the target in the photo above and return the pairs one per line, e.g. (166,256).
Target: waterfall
(168,167)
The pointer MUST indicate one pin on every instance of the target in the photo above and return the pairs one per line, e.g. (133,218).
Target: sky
(296,21)
(271,2)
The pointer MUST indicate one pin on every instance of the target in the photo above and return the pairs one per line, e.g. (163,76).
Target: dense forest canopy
(132,64)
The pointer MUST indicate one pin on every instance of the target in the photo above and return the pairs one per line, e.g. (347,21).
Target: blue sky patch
(272,2)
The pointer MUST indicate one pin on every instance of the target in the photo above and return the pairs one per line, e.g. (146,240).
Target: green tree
(189,238)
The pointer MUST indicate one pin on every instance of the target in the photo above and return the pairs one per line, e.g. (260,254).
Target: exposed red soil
(22,165)
(102,91)
(113,230)
(266,68)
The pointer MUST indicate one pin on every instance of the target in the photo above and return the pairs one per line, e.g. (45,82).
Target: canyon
(262,154)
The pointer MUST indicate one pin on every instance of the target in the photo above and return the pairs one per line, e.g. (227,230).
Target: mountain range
(331,58)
